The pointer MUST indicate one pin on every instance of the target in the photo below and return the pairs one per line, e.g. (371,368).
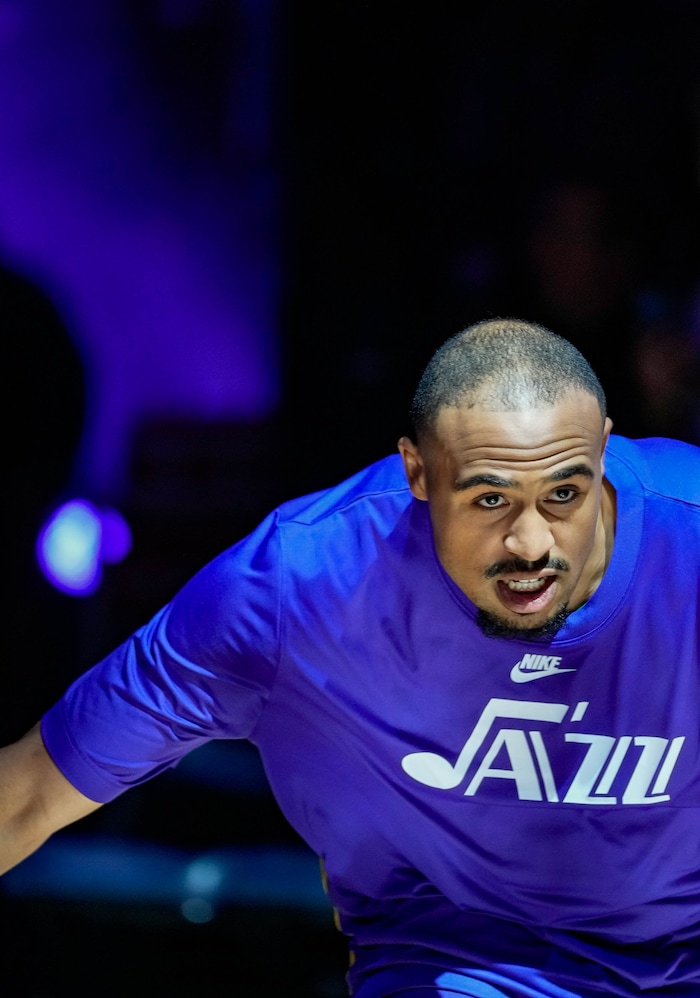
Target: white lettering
(613,767)
(653,750)
(599,748)
(539,663)
(526,759)
(435,771)
(668,765)
(545,766)
(522,769)
(579,710)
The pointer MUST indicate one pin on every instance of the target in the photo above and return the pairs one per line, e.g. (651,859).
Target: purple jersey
(477,802)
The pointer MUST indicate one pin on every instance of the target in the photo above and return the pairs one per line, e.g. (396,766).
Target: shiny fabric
(468,813)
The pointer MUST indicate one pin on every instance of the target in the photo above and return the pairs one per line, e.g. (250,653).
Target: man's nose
(529,536)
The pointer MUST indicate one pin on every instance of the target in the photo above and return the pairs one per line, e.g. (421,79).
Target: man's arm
(35,799)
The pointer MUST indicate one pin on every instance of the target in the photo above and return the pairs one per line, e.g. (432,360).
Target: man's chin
(494,626)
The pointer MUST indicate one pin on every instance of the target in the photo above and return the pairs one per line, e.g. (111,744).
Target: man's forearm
(35,799)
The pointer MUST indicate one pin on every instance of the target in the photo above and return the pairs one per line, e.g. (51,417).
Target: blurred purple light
(116,536)
(75,541)
(161,257)
(68,548)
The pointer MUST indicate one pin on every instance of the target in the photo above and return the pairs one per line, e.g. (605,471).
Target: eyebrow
(571,471)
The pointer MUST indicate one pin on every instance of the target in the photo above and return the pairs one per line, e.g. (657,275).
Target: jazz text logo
(527,735)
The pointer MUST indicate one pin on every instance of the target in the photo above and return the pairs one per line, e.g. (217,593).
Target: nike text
(533,666)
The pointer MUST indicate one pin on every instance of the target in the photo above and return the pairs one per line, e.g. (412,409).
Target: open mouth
(527,595)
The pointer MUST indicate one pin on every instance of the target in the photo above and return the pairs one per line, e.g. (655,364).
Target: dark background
(431,167)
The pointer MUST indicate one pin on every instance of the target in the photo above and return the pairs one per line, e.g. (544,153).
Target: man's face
(520,518)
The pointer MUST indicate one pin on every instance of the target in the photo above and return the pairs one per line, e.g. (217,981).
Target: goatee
(494,627)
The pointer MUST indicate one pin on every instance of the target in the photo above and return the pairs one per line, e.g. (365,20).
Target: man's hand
(35,799)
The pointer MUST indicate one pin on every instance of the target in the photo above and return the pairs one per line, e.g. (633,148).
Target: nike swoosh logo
(526,676)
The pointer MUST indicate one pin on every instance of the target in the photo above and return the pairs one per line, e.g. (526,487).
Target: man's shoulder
(380,484)
(665,467)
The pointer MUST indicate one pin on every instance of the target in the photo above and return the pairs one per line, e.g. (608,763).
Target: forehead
(533,439)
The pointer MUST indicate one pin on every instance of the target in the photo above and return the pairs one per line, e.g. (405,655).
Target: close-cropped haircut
(504,365)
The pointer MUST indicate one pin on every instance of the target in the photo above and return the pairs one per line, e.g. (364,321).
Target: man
(476,695)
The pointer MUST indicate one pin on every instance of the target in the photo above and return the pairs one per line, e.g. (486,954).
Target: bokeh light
(75,541)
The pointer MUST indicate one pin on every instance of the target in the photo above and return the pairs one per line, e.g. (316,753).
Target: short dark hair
(504,364)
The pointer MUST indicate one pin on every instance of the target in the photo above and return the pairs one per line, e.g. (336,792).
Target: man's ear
(414,468)
(607,428)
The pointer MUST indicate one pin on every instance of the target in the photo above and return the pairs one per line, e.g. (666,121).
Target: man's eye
(491,501)
(564,495)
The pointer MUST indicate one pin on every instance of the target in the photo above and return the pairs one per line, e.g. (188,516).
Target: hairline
(505,365)
(429,430)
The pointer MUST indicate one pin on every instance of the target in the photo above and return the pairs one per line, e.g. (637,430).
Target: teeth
(526,586)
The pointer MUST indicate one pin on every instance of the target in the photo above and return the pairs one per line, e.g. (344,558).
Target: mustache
(520,565)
